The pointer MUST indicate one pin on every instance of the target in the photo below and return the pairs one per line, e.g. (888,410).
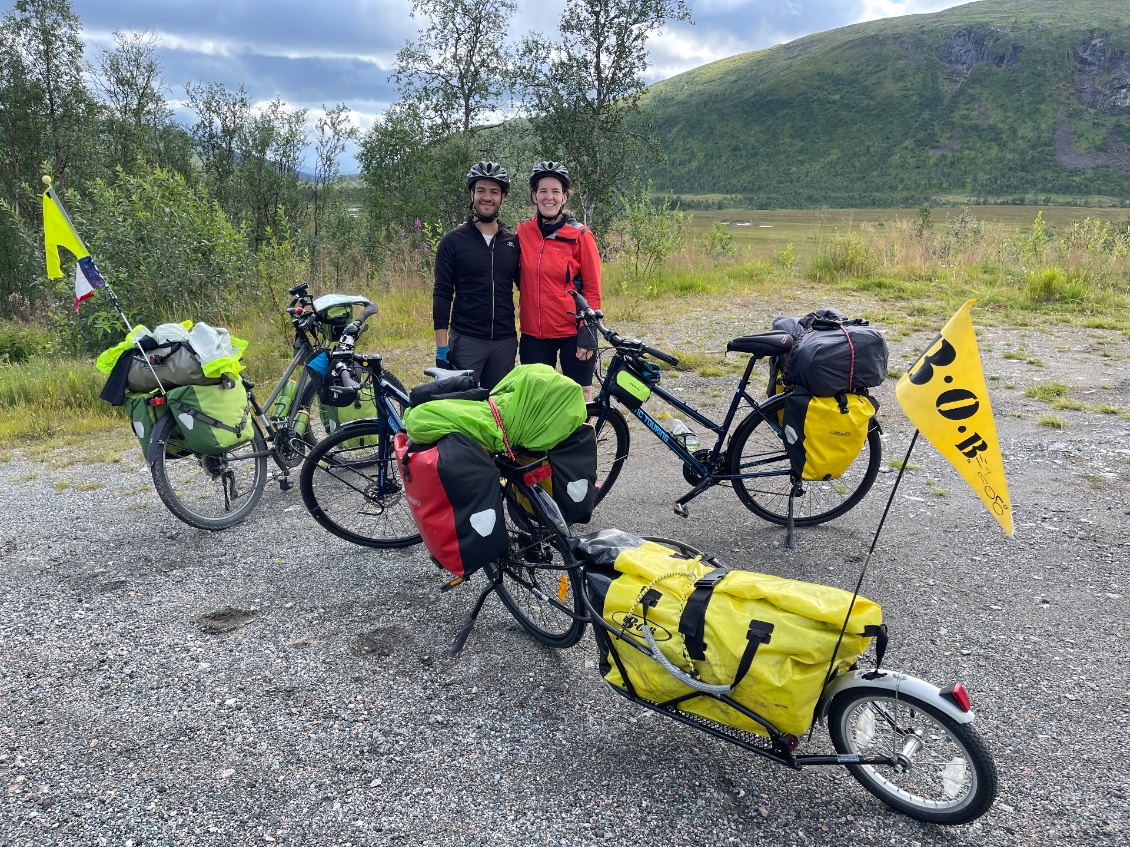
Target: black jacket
(480,279)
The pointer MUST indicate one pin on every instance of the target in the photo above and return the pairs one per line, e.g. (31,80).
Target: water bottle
(285,398)
(681,431)
(301,422)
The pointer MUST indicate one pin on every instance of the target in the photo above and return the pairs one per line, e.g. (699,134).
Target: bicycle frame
(706,470)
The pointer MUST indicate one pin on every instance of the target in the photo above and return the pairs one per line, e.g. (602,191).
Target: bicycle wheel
(532,583)
(948,776)
(757,450)
(208,492)
(612,440)
(351,484)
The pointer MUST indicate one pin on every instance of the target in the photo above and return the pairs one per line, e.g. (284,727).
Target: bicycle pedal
(285,484)
(680,510)
(447,586)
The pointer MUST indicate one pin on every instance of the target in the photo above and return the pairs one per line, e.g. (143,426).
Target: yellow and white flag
(945,396)
(59,232)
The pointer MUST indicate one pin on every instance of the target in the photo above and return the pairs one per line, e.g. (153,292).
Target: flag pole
(109,291)
(867,558)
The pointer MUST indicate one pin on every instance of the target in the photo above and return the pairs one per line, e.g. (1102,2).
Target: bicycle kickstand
(680,505)
(790,541)
(461,639)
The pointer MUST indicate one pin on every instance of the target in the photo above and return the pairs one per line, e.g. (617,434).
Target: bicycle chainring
(692,476)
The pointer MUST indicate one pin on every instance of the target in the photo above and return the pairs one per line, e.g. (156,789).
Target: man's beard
(485,218)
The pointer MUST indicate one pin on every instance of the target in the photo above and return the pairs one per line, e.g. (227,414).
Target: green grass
(1048,392)
(1053,422)
(874,265)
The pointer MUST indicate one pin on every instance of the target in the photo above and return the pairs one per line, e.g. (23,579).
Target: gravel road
(270,684)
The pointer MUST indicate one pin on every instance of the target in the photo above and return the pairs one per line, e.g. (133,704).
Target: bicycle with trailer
(748,455)
(909,743)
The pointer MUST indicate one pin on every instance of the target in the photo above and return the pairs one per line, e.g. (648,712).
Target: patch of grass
(897,465)
(1106,409)
(1024,357)
(1052,422)
(1094,481)
(1047,391)
(92,485)
(1071,405)
(63,484)
(129,492)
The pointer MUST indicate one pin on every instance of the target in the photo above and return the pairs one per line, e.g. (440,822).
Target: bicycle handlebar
(593,317)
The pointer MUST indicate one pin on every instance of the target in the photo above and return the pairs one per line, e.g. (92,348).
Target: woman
(558,255)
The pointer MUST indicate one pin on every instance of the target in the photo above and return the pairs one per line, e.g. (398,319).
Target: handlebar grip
(579,299)
(345,377)
(301,288)
(660,355)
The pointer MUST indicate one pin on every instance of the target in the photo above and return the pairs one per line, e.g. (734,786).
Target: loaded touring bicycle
(748,658)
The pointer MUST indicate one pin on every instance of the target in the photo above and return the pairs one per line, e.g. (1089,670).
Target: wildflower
(418,224)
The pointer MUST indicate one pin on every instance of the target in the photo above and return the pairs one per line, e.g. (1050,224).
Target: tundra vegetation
(215,220)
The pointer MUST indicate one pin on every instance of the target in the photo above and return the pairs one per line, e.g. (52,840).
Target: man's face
(487,198)
(549,196)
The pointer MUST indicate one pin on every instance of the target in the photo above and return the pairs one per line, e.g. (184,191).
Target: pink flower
(418,224)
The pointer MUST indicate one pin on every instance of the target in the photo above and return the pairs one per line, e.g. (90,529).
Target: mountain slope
(992,99)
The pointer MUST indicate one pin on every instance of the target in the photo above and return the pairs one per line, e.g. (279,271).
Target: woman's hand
(584,354)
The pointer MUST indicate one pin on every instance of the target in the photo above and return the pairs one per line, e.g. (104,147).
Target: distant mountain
(991,100)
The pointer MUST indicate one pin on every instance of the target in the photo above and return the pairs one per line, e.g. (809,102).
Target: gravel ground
(273,685)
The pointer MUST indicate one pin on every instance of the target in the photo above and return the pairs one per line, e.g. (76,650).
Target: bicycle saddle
(771,343)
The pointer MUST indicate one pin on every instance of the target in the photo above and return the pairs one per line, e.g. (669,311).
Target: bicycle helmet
(555,169)
(488,170)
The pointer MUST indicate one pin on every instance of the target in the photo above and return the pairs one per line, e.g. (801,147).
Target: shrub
(20,343)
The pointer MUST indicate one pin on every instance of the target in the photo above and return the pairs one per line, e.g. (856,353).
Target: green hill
(991,100)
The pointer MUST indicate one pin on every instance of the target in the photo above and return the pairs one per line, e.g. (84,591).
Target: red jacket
(550,267)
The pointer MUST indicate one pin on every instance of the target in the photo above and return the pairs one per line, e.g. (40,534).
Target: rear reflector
(537,475)
(957,695)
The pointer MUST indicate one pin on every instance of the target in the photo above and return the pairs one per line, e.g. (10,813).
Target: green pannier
(335,417)
(143,416)
(212,418)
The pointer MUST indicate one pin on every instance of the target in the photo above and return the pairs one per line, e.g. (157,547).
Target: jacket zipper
(492,285)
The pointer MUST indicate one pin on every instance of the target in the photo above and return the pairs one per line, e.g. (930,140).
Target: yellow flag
(58,232)
(945,396)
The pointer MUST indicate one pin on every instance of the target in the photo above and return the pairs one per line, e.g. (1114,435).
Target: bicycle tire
(612,443)
(351,485)
(537,562)
(757,444)
(208,492)
(951,779)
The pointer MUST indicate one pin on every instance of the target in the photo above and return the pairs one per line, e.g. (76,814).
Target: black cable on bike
(867,561)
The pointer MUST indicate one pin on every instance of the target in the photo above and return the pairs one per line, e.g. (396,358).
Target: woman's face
(550,196)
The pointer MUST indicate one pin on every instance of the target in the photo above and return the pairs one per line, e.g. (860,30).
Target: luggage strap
(759,633)
(498,420)
(692,623)
(211,421)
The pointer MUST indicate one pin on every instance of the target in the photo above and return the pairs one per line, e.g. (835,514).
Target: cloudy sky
(342,51)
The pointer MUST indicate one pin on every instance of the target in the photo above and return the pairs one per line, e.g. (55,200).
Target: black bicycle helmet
(488,170)
(550,169)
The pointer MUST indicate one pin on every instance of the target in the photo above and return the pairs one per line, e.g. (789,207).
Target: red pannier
(453,490)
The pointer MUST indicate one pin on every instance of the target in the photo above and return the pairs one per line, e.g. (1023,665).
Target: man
(475,274)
